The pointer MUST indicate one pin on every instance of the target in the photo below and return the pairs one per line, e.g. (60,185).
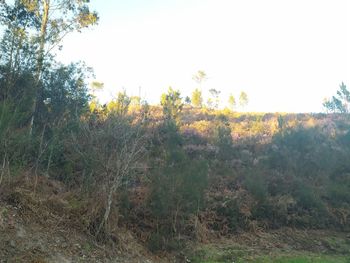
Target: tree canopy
(340,102)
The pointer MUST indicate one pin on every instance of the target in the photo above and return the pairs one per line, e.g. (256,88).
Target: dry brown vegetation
(123,177)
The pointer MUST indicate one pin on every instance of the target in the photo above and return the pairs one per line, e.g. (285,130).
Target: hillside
(89,172)
(46,227)
(252,185)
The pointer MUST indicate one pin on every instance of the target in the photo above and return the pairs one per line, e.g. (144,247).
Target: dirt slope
(40,227)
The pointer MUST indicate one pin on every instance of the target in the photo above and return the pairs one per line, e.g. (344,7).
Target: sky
(287,55)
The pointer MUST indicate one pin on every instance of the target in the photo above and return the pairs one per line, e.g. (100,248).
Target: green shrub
(256,184)
(177,186)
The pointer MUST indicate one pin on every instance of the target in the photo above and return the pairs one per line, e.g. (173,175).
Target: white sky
(286,54)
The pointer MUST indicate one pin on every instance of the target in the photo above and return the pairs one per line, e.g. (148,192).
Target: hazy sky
(286,54)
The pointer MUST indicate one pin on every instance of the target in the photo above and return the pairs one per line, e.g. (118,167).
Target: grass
(284,246)
(244,254)
(282,259)
(303,259)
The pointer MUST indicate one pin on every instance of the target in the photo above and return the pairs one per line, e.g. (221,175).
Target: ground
(38,224)
(281,246)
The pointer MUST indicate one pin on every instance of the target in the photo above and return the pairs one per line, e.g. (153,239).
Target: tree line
(213,102)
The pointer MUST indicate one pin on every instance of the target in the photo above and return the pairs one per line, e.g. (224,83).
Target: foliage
(213,101)
(243,100)
(223,140)
(120,105)
(256,185)
(172,104)
(110,149)
(197,99)
(339,102)
(200,170)
(200,77)
(45,23)
(64,94)
(177,186)
(187,100)
(232,102)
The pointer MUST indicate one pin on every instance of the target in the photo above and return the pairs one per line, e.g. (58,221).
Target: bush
(223,140)
(177,185)
(256,184)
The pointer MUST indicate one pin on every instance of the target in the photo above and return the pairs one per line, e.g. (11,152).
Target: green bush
(177,185)
(256,184)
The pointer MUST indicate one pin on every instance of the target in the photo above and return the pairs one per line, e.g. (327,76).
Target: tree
(177,186)
(54,20)
(340,102)
(223,139)
(95,87)
(214,100)
(32,82)
(120,105)
(243,100)
(111,149)
(200,77)
(64,94)
(135,101)
(197,99)
(232,102)
(62,101)
(17,49)
(172,104)
(197,94)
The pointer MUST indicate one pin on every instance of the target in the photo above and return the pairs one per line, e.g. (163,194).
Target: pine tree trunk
(40,59)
